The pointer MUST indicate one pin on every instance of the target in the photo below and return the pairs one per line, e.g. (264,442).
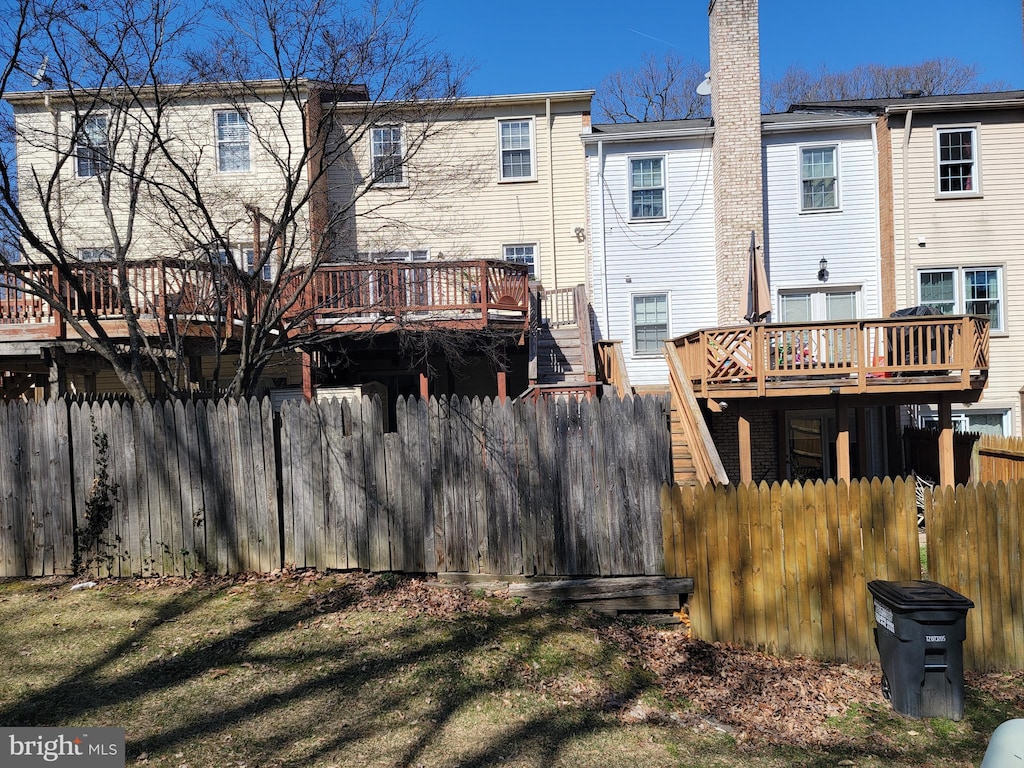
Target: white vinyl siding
(631,260)
(848,238)
(819,178)
(232,141)
(515,147)
(956,157)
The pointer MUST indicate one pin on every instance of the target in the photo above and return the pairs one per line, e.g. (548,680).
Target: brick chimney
(736,152)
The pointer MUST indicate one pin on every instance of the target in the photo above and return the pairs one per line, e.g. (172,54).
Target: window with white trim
(964,291)
(819,304)
(523,253)
(92,150)
(985,422)
(647,188)
(95,254)
(396,256)
(957,159)
(819,179)
(650,323)
(233,141)
(267,271)
(515,146)
(386,154)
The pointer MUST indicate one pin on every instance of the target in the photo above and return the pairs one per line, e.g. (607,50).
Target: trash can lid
(918,595)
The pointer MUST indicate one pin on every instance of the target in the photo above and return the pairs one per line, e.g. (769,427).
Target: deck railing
(344,292)
(195,291)
(858,353)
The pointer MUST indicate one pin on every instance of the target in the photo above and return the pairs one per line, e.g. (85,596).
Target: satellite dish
(40,75)
(704,89)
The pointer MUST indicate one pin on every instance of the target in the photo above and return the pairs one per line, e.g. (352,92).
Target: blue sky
(551,45)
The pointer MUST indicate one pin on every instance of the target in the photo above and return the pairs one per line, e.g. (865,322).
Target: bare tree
(114,192)
(664,89)
(870,81)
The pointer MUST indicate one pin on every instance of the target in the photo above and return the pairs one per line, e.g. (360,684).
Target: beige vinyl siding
(968,231)
(191,125)
(456,207)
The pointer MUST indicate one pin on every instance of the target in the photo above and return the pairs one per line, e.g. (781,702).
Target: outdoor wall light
(823,269)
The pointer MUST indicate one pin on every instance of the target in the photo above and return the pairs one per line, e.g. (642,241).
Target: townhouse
(951,206)
(397,222)
(822,389)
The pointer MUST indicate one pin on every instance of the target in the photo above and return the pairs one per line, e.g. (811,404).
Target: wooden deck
(337,298)
(890,357)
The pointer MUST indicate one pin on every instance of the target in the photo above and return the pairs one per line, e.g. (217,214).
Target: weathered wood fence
(785,567)
(549,488)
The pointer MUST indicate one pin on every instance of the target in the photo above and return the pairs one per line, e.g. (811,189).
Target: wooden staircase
(561,344)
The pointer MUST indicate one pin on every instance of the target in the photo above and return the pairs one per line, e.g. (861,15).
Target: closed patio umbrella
(759,300)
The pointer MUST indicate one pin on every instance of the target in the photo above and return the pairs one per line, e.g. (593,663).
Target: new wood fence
(999,458)
(785,567)
(549,488)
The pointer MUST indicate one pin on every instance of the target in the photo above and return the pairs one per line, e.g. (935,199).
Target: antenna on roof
(704,88)
(40,75)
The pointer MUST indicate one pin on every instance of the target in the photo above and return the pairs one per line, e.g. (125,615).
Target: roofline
(953,106)
(664,133)
(499,100)
(839,121)
(192,89)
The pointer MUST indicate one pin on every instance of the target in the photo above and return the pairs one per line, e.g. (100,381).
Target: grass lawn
(356,670)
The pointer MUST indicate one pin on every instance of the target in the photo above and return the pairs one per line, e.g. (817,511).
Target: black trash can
(920,634)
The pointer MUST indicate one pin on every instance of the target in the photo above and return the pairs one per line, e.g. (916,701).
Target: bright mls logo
(80,747)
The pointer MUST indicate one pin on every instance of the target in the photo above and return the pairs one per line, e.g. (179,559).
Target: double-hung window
(819,179)
(386,152)
(647,188)
(92,153)
(95,254)
(522,254)
(267,271)
(964,290)
(650,323)
(233,141)
(957,158)
(515,146)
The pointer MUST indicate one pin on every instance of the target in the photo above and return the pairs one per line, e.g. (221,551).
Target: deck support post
(746,465)
(307,376)
(56,379)
(947,469)
(424,384)
(502,386)
(863,446)
(842,442)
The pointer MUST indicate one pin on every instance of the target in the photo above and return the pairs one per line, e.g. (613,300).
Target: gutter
(908,272)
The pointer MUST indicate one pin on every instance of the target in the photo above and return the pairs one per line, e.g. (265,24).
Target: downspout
(908,272)
(878,224)
(605,330)
(551,193)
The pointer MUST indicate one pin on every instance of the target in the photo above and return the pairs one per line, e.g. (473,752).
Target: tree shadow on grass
(434,668)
